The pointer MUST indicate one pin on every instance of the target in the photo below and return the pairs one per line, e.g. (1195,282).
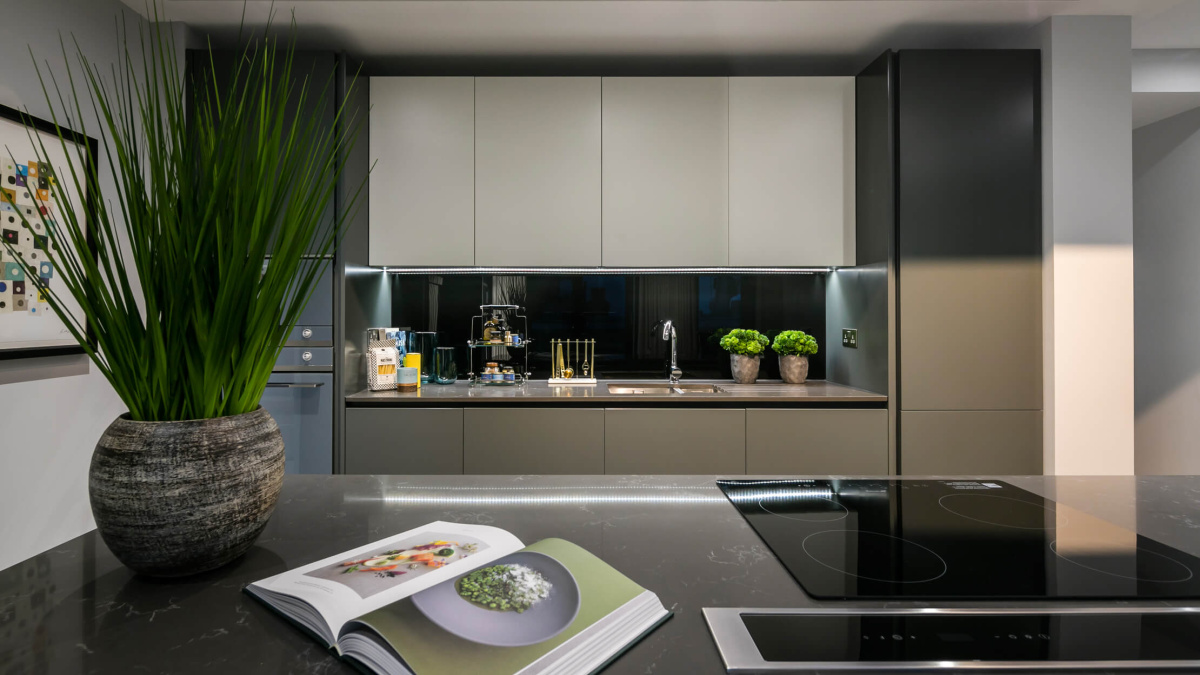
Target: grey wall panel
(1003,442)
(404,441)
(808,442)
(533,440)
(353,307)
(674,441)
(858,298)
(1166,245)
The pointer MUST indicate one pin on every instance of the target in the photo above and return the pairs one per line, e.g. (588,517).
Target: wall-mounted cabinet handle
(296,385)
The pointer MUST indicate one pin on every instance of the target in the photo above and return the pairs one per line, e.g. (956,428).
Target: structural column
(1088,245)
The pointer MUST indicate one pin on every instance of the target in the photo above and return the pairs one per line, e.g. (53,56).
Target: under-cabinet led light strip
(573,496)
(532,271)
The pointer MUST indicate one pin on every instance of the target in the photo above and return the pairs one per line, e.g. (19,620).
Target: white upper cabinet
(422,205)
(537,171)
(791,171)
(666,171)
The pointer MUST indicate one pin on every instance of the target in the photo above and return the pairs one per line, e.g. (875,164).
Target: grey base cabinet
(533,441)
(974,442)
(673,441)
(817,442)
(416,441)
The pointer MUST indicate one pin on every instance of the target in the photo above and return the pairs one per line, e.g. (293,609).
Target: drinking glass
(425,343)
(445,369)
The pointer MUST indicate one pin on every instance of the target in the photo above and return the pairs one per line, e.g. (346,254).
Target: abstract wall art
(31,200)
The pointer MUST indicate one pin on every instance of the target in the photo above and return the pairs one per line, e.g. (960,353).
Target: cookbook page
(500,621)
(358,581)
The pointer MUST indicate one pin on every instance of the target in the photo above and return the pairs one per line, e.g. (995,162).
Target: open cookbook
(448,597)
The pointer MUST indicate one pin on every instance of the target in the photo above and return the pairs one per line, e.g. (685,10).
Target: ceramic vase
(745,368)
(793,369)
(178,498)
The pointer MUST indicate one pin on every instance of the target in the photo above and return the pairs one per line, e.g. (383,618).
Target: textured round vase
(793,369)
(745,368)
(177,498)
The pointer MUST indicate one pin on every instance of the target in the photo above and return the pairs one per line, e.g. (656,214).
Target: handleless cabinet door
(666,171)
(791,171)
(537,171)
(534,441)
(971,442)
(969,235)
(404,441)
(817,442)
(422,141)
(674,441)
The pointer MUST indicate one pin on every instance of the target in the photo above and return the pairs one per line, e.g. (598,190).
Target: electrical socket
(850,338)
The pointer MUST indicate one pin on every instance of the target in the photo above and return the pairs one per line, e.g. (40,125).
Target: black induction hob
(930,539)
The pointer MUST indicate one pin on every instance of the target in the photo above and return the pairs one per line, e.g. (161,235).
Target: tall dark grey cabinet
(302,394)
(954,189)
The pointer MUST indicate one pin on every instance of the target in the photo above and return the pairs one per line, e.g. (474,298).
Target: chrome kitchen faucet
(668,333)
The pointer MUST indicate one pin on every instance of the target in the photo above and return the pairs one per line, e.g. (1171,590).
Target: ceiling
(831,35)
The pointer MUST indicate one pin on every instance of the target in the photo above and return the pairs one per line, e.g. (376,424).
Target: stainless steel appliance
(919,574)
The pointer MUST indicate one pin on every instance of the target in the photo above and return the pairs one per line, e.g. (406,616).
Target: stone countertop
(75,609)
(765,393)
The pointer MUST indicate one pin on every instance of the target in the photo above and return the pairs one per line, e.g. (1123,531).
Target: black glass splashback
(917,539)
(620,311)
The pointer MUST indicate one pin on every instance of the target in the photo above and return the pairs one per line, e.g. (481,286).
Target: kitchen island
(75,609)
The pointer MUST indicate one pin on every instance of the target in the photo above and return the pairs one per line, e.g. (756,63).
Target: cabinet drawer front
(817,442)
(674,441)
(971,442)
(533,440)
(292,358)
(310,336)
(412,441)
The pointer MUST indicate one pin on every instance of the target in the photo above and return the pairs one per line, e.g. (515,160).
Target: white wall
(1166,202)
(1088,245)
(53,410)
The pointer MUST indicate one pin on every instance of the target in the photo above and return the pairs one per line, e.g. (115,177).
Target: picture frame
(23,332)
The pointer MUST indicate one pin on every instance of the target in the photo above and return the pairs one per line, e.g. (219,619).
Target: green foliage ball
(744,341)
(794,342)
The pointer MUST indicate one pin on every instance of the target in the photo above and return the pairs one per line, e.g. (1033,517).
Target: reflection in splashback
(620,311)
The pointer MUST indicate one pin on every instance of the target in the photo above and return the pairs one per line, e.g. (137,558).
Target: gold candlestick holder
(572,362)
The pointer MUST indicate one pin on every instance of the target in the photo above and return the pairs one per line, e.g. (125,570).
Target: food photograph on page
(402,562)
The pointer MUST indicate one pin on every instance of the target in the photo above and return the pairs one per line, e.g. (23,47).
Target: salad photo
(406,560)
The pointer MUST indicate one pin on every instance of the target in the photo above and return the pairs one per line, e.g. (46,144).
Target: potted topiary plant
(745,347)
(794,347)
(179,308)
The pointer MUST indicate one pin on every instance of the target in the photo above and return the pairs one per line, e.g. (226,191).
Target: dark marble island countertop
(75,609)
(763,393)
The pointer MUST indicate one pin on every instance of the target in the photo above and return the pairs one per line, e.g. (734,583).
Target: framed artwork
(28,327)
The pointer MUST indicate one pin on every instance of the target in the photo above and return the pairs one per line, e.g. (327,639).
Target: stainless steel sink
(662,388)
